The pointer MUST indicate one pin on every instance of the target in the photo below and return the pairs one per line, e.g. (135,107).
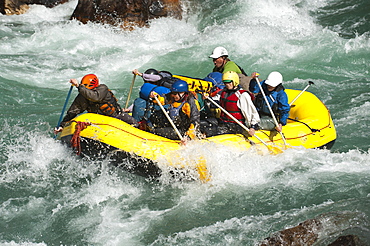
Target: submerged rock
(305,233)
(349,240)
(308,232)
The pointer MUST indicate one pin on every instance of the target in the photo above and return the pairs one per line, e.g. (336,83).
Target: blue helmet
(180,86)
(216,79)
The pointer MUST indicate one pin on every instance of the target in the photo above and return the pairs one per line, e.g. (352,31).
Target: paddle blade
(203,172)
(274,150)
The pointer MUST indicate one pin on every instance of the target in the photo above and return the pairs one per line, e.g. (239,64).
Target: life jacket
(177,114)
(241,69)
(229,102)
(111,107)
(174,112)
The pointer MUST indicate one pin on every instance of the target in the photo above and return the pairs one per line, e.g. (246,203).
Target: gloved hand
(160,99)
(191,133)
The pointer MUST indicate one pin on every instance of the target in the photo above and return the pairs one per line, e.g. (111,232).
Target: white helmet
(218,52)
(274,79)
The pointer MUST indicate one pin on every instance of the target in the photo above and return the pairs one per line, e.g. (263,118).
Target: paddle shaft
(236,121)
(64,107)
(295,99)
(129,94)
(168,117)
(270,109)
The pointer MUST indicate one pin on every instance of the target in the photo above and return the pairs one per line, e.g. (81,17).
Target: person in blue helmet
(276,97)
(183,110)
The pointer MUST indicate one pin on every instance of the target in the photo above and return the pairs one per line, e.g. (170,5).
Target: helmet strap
(184,97)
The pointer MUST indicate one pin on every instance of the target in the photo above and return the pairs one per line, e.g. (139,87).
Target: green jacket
(229,66)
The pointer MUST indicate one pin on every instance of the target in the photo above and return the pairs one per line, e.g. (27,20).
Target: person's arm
(78,106)
(136,72)
(249,112)
(253,86)
(194,110)
(191,109)
(284,107)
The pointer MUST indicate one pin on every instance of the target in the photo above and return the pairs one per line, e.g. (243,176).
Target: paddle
(295,99)
(169,118)
(272,149)
(64,108)
(129,94)
(270,109)
(201,164)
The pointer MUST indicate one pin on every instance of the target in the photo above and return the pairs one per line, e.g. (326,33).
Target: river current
(48,196)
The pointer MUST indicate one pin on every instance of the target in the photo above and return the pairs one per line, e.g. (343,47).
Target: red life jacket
(230,104)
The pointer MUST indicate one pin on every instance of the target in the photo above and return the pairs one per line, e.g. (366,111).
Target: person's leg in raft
(267,123)
(138,110)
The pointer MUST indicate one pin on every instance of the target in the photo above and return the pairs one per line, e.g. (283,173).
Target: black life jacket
(241,69)
(167,82)
(259,102)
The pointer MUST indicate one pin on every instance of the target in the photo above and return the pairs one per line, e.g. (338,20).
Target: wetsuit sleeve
(248,110)
(78,106)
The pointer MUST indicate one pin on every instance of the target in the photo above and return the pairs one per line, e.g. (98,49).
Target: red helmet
(90,81)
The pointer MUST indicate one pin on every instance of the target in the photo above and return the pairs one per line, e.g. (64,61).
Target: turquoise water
(48,196)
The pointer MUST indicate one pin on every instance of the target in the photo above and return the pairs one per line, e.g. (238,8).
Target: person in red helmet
(94,97)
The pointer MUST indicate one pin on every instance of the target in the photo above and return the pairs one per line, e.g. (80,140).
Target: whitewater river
(48,196)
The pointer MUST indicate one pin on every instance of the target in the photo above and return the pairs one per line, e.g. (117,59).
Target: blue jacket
(277,99)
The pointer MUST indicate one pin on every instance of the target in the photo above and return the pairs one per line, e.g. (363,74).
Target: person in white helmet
(223,64)
(276,97)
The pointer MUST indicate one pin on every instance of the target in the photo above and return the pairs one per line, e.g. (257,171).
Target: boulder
(12,7)
(348,240)
(125,13)
(305,233)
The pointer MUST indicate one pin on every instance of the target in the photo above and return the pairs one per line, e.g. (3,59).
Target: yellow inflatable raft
(309,125)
